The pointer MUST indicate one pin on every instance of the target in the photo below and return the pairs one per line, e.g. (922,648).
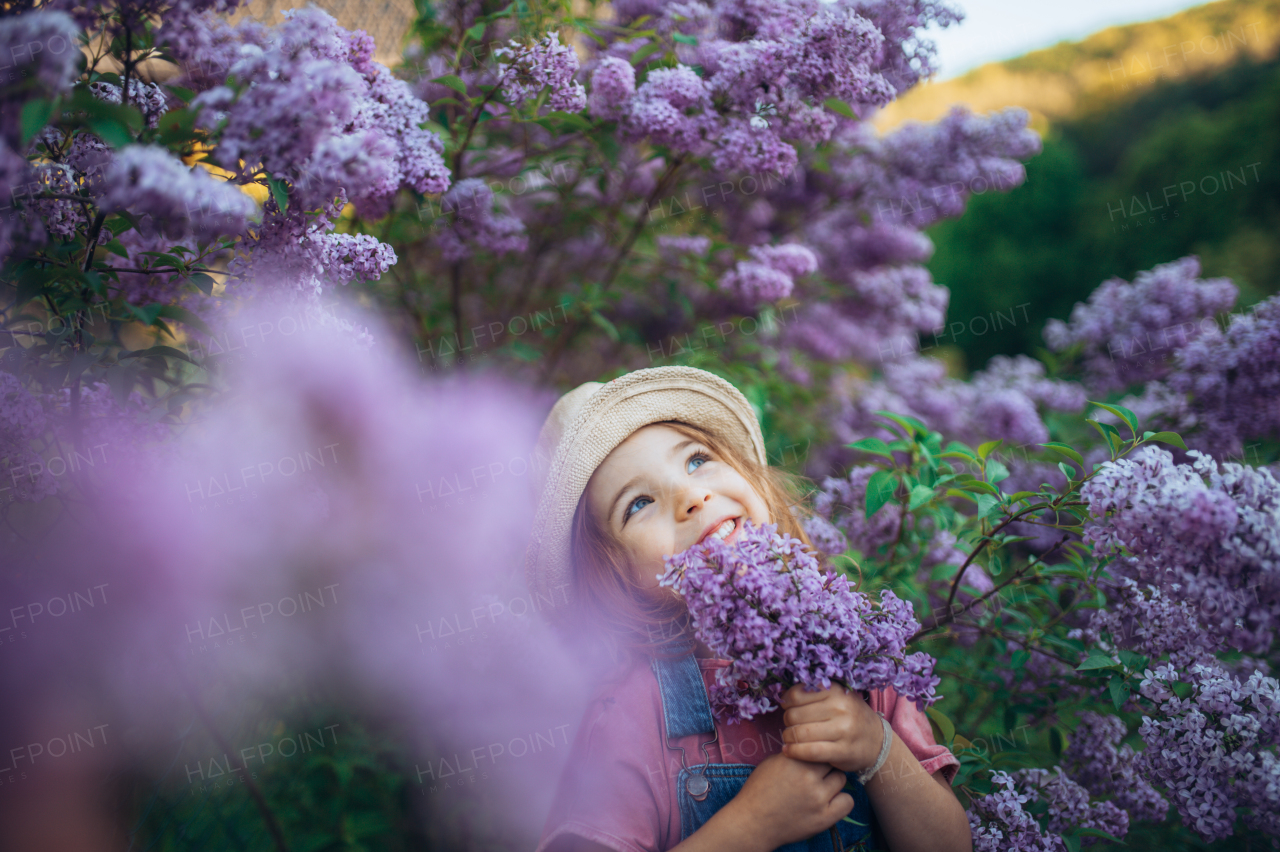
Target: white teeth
(723,532)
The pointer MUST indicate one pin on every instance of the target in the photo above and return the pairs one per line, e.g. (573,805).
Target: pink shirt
(618,787)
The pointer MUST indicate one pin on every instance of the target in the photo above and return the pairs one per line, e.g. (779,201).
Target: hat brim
(603,419)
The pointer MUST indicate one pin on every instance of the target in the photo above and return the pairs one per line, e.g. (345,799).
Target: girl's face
(659,493)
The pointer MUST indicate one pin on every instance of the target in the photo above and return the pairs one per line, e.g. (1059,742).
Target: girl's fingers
(796,696)
(813,732)
(816,752)
(813,711)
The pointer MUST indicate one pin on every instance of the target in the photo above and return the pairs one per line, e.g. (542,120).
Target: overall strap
(686,709)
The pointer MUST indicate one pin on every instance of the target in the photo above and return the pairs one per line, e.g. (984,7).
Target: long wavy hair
(633,620)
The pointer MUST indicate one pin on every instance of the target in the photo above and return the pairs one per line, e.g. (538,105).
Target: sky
(1002,29)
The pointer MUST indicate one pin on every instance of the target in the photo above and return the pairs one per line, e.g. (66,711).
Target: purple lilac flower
(764,603)
(316,112)
(23,475)
(1107,768)
(613,85)
(42,46)
(149,181)
(474,224)
(1215,751)
(1233,379)
(1204,533)
(769,275)
(677,244)
(547,64)
(1129,333)
(1069,805)
(999,823)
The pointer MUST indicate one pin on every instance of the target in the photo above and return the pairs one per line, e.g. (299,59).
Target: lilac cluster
(546,64)
(44,50)
(764,603)
(1100,763)
(1149,622)
(1232,379)
(473,224)
(169,197)
(1203,533)
(999,822)
(769,275)
(766,72)
(312,108)
(1002,401)
(1129,333)
(1215,750)
(22,421)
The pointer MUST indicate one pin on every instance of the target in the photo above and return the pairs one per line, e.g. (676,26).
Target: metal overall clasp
(697,784)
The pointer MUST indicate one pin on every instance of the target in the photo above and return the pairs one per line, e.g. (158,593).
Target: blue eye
(696,461)
(636,505)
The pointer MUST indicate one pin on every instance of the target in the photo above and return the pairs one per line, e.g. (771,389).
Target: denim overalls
(707,787)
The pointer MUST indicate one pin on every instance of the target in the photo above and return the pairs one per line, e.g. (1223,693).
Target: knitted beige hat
(588,422)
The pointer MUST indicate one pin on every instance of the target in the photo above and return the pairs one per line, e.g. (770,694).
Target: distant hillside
(1106,68)
(1136,170)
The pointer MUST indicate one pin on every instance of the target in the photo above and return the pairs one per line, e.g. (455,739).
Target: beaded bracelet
(867,774)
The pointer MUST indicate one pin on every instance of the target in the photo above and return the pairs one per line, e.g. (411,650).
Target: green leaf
(1097,661)
(280,192)
(910,425)
(872,445)
(146,314)
(1056,741)
(920,495)
(1131,659)
(1066,451)
(880,488)
(203,282)
(1169,438)
(453,82)
(117,248)
(1109,433)
(186,317)
(155,352)
(839,107)
(979,485)
(35,115)
(604,323)
(1119,692)
(1120,411)
(987,505)
(947,727)
(645,52)
(986,449)
(111,131)
(1067,470)
(476,33)
(685,39)
(1097,832)
(996,472)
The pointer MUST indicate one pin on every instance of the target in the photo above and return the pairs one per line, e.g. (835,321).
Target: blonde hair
(635,620)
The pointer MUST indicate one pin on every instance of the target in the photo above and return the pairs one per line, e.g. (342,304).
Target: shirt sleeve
(912,727)
(606,792)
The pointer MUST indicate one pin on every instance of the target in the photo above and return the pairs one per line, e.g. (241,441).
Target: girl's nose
(694,499)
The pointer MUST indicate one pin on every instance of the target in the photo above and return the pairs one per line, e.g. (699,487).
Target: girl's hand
(785,800)
(832,726)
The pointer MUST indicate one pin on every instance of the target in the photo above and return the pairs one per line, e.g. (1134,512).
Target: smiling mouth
(723,531)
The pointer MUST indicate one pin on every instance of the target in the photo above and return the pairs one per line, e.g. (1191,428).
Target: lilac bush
(764,603)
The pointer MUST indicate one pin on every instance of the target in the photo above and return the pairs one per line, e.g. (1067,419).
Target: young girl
(641,468)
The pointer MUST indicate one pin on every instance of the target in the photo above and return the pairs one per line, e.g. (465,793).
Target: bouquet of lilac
(763,603)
